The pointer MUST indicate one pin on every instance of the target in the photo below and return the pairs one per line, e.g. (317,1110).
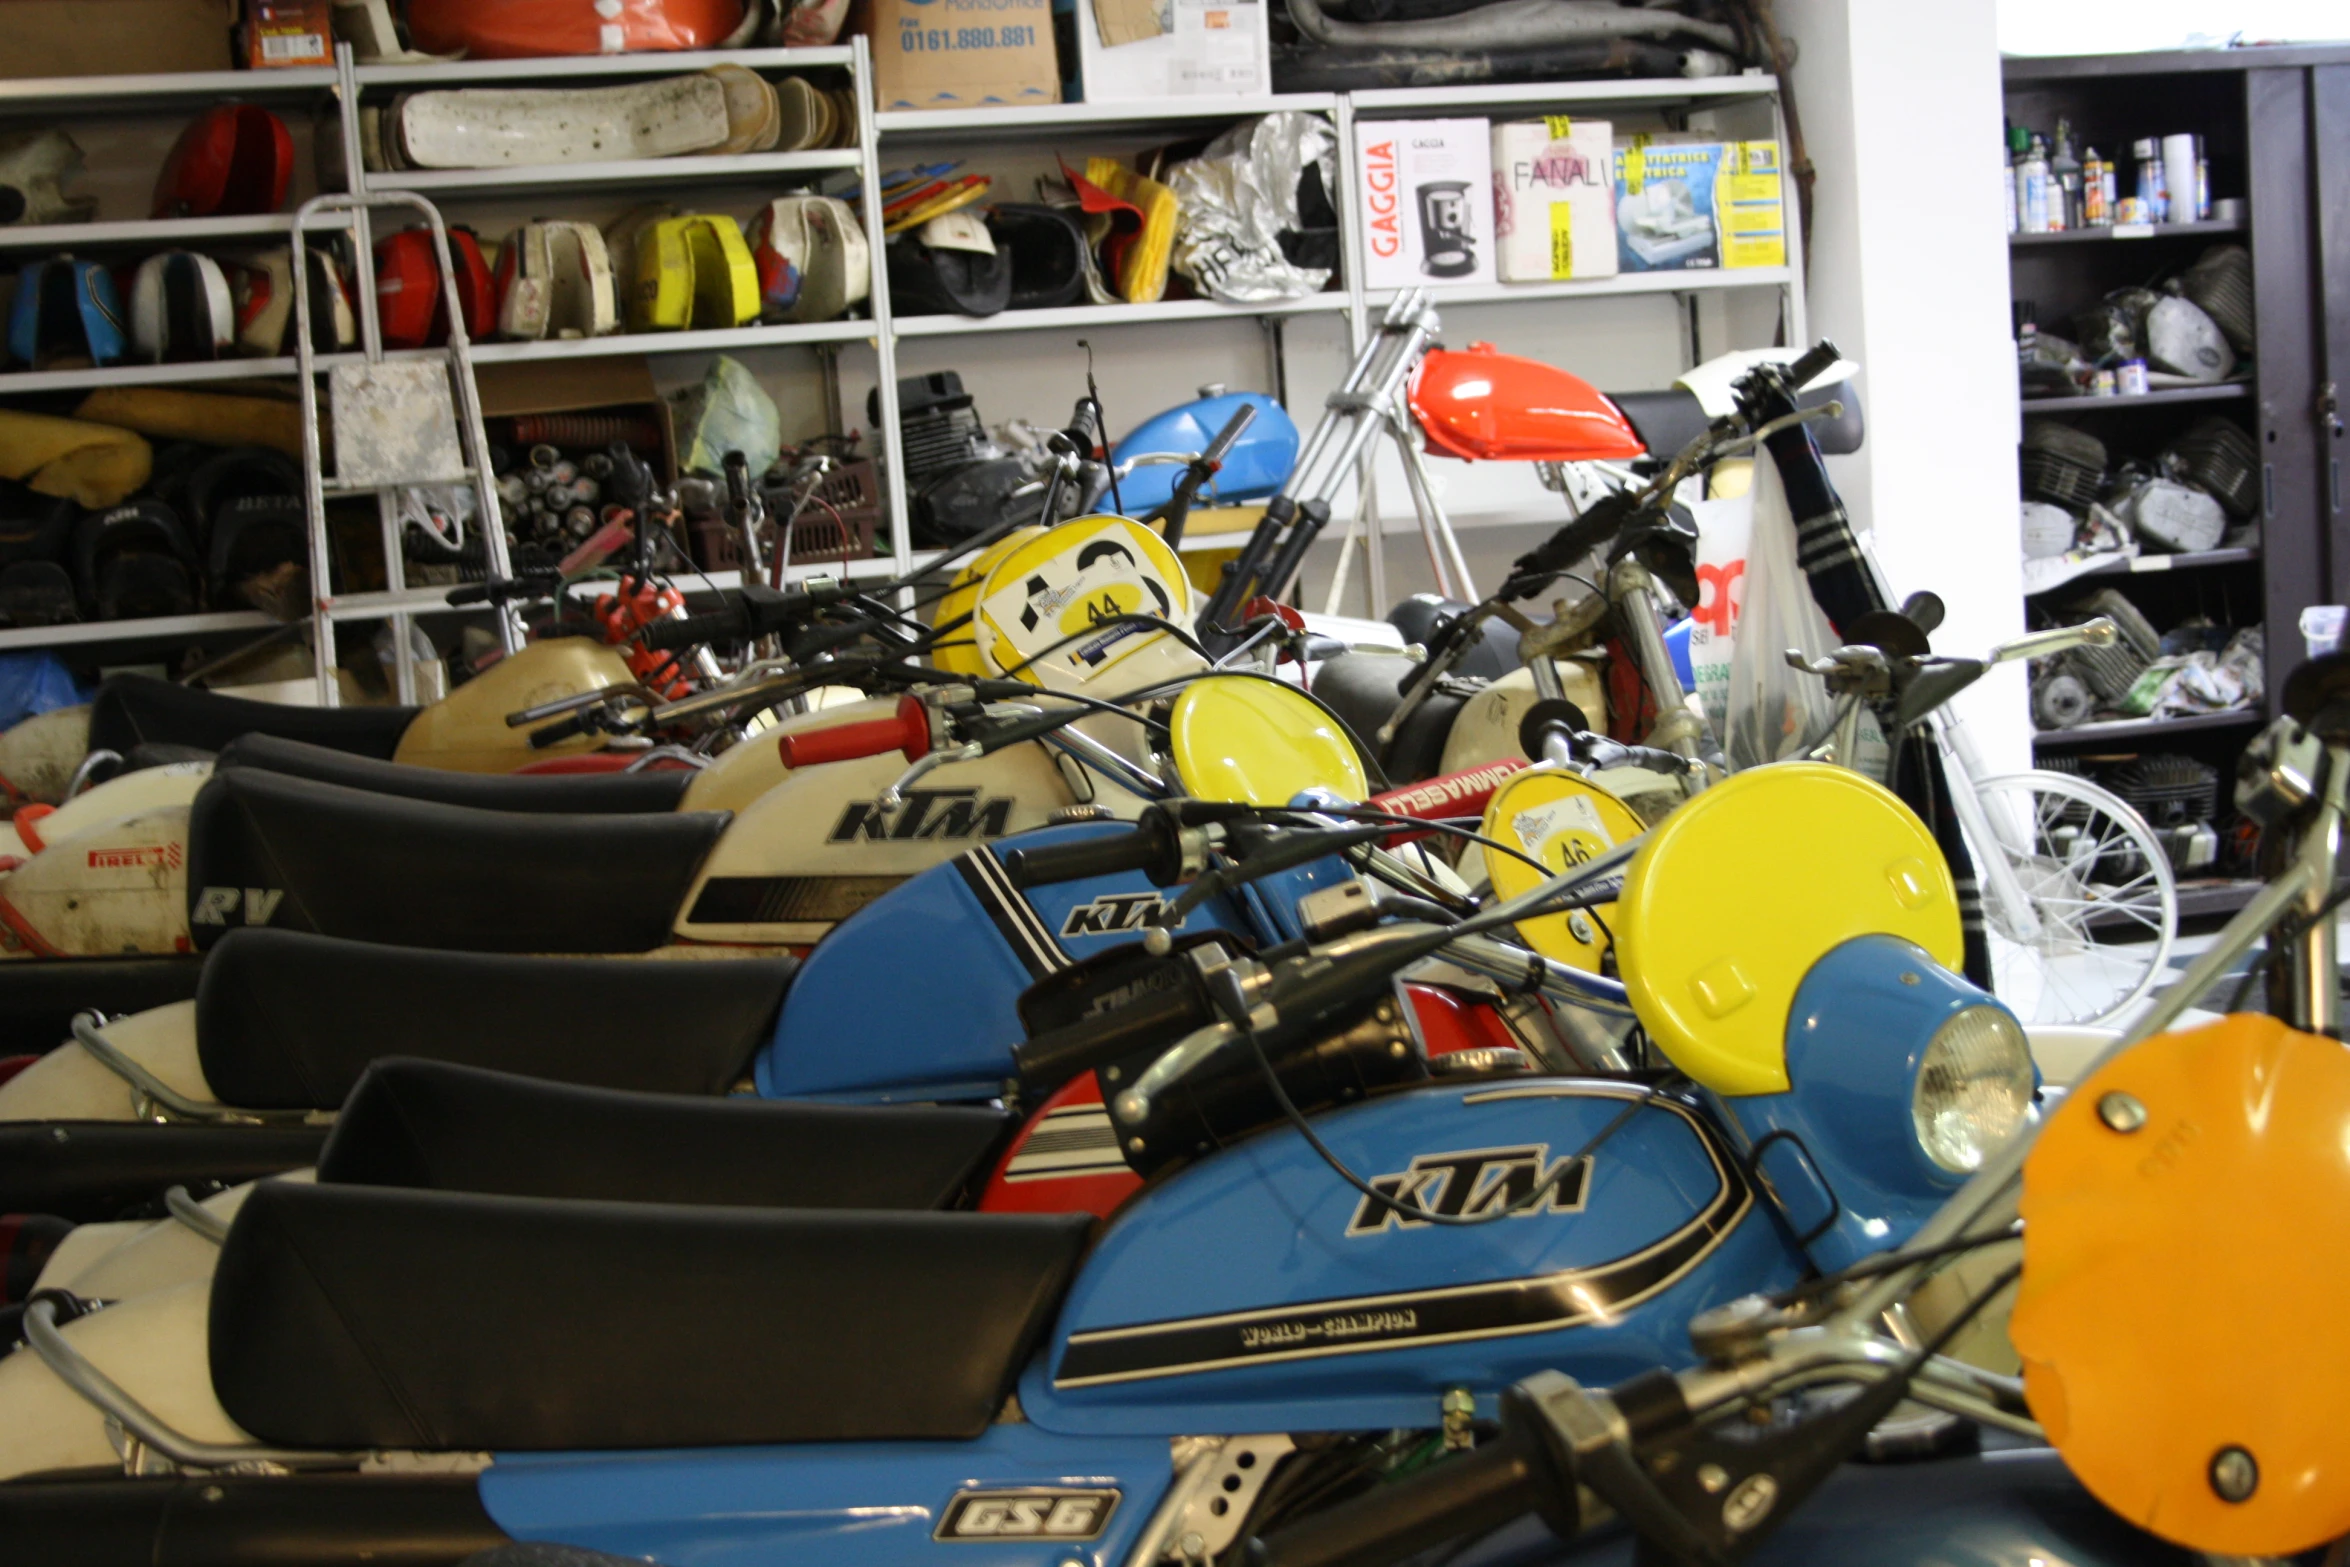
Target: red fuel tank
(1483,403)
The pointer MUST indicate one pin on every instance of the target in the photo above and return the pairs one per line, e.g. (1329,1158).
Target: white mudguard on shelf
(70,1084)
(149,788)
(38,755)
(152,1346)
(555,280)
(118,889)
(519,127)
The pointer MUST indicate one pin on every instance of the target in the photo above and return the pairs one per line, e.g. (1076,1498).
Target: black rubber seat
(139,709)
(357,1317)
(90,1171)
(586,794)
(430,1126)
(1669,420)
(286,1020)
(1362,689)
(1493,655)
(268,849)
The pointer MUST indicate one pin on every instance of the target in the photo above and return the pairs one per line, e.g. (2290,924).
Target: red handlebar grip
(907,730)
(1453,795)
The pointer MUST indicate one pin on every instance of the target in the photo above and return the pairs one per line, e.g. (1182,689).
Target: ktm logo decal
(215,905)
(1107,916)
(1027,1515)
(1470,1183)
(927,813)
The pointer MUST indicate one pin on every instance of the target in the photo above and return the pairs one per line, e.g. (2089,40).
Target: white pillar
(1902,118)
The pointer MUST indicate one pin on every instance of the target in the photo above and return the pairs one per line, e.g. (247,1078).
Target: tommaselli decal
(1411,1319)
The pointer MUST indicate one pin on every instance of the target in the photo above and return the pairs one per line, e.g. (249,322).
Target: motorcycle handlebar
(1105,855)
(1815,359)
(669,636)
(748,612)
(907,730)
(1460,1498)
(559,731)
(1057,1055)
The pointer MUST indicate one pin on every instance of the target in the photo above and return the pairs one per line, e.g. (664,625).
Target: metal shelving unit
(2218,392)
(347,84)
(2130,233)
(2139,565)
(2121,731)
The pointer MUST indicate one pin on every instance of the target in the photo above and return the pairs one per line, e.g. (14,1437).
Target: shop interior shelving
(1027,139)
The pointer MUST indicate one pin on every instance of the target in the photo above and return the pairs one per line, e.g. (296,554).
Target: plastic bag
(729,412)
(1238,197)
(1772,711)
(1724,528)
(33,683)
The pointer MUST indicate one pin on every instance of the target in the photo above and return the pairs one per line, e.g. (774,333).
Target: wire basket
(837,524)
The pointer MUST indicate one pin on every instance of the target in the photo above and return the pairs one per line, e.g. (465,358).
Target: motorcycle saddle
(430,1126)
(35,532)
(1669,420)
(522,127)
(287,1020)
(369,867)
(1361,688)
(249,502)
(585,794)
(1495,654)
(134,560)
(360,1317)
(949,266)
(66,311)
(133,710)
(94,1171)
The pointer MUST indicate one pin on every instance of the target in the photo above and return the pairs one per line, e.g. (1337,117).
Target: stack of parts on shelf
(2192,331)
(2196,667)
(2083,510)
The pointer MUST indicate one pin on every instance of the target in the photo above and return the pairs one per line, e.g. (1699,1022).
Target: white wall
(2112,26)
(1901,116)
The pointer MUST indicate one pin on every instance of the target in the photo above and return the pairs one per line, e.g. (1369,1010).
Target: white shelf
(671,342)
(1391,102)
(17,381)
(463,73)
(132,630)
(165,90)
(638,171)
(158,233)
(1699,280)
(1113,315)
(1016,120)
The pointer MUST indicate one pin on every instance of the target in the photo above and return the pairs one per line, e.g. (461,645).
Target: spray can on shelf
(2064,173)
(2149,179)
(2096,209)
(2202,181)
(2036,197)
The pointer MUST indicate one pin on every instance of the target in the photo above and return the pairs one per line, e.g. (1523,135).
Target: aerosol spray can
(2095,213)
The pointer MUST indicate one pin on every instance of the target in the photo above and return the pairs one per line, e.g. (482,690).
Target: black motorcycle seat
(1669,420)
(1494,653)
(373,867)
(288,1020)
(586,794)
(430,1126)
(361,1317)
(92,1171)
(1361,689)
(139,709)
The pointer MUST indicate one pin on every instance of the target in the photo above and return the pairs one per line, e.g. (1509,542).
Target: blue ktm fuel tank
(1257,1291)
(1252,470)
(915,996)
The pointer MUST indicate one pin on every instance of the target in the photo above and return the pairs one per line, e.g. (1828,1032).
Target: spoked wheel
(2102,904)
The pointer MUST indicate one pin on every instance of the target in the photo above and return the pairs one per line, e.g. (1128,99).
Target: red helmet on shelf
(408,288)
(236,160)
(519,29)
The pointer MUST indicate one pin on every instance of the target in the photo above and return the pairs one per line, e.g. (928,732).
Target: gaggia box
(1554,199)
(1424,195)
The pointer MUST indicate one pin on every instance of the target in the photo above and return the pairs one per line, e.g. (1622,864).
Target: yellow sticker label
(1562,240)
(1752,210)
(1559,126)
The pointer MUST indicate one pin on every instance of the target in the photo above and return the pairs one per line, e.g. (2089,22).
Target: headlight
(1974,1088)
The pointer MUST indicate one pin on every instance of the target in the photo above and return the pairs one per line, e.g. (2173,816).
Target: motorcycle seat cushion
(589,794)
(132,709)
(372,867)
(358,1317)
(431,1126)
(1669,420)
(1493,655)
(93,1171)
(1361,688)
(288,1020)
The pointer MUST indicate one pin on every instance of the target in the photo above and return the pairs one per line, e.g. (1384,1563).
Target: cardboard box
(114,37)
(1424,196)
(1554,199)
(1687,204)
(282,34)
(1137,49)
(960,54)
